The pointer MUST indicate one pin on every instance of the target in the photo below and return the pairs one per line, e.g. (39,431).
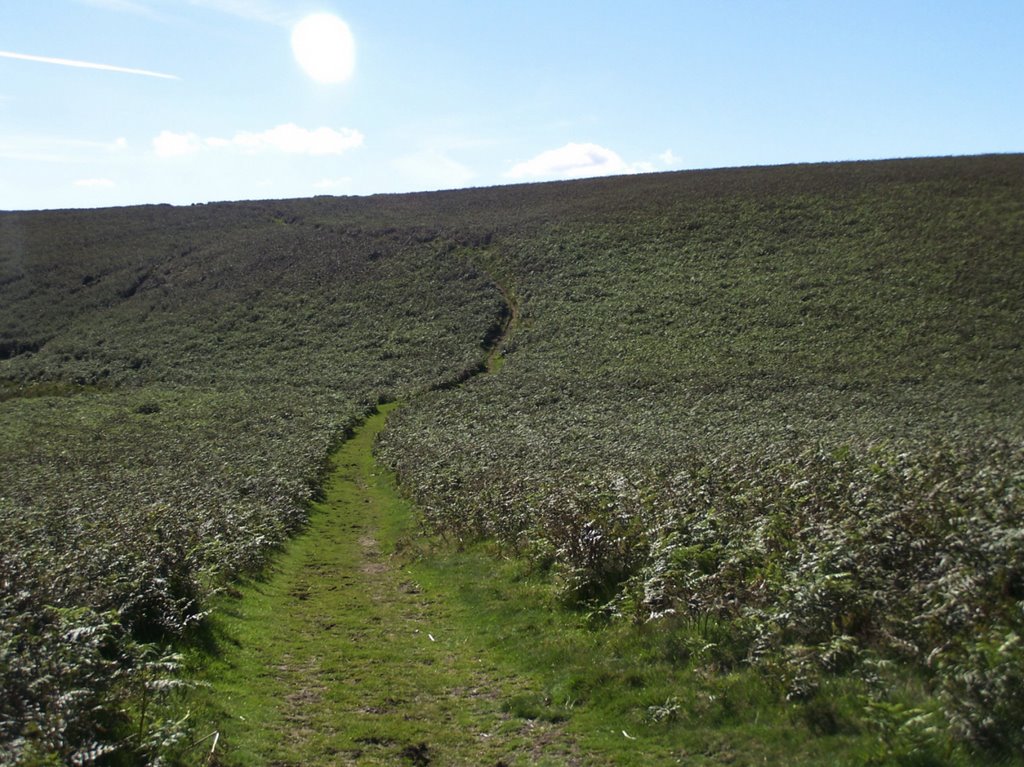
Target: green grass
(339,654)
(653,694)
(367,642)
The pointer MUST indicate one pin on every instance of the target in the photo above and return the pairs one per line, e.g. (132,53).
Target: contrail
(84,65)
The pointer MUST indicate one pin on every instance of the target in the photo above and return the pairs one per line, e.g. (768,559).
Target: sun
(324,47)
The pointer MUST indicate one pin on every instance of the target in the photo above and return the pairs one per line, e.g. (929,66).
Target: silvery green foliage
(175,382)
(814,560)
(983,684)
(784,418)
(77,688)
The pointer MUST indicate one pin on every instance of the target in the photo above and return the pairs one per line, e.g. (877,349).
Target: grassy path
(350,653)
(341,657)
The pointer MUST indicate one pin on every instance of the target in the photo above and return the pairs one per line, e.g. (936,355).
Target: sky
(122,102)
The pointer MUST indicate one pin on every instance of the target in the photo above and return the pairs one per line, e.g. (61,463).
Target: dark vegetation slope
(775,413)
(174,381)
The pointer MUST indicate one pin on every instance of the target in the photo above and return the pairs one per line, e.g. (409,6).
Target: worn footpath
(340,657)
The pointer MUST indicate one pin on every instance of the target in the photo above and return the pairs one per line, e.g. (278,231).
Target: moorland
(752,435)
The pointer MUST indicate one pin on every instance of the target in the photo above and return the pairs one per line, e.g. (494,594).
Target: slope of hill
(173,382)
(785,403)
(774,411)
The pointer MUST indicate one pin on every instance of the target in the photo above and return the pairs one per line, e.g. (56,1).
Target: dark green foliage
(782,402)
(775,414)
(177,378)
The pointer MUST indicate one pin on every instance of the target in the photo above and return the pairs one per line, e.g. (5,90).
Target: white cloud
(84,64)
(292,139)
(253,10)
(265,11)
(170,144)
(433,169)
(126,6)
(575,161)
(95,183)
(288,138)
(326,184)
(668,157)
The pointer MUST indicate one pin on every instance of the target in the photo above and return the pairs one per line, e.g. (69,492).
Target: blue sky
(448,93)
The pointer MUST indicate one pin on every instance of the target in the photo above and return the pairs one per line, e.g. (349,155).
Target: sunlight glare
(324,47)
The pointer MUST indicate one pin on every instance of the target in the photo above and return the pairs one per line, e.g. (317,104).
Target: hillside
(776,412)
